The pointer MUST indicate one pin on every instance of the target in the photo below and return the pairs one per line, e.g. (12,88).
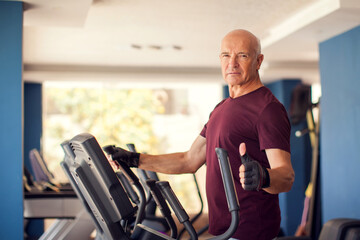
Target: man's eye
(225,55)
(243,55)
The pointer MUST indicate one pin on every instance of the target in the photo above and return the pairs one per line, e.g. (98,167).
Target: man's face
(239,60)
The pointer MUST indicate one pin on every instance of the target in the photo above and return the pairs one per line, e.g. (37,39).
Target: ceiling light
(155,47)
(136,46)
(177,47)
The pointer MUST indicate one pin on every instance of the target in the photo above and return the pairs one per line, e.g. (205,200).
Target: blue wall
(340,125)
(32,119)
(32,139)
(292,202)
(11,87)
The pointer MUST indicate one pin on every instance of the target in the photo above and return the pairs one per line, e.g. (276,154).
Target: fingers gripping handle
(228,179)
(131,147)
(111,149)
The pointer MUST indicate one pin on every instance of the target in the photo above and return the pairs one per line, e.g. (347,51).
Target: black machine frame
(106,199)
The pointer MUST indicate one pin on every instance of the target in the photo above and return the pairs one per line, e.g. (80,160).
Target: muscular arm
(281,173)
(176,163)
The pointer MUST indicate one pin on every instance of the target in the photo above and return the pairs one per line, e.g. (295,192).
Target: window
(161,119)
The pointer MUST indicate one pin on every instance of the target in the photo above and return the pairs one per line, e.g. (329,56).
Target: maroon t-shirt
(259,120)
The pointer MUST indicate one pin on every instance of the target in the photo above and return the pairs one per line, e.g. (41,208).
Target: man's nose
(233,63)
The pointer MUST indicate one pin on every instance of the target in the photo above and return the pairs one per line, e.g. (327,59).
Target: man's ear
(259,60)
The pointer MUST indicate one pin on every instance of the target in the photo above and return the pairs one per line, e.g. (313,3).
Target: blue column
(32,119)
(340,125)
(292,202)
(11,120)
(32,139)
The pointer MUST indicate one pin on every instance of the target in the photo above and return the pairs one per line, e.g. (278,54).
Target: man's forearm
(173,163)
(281,180)
(177,163)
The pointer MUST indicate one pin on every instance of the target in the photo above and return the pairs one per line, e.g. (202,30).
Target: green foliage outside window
(113,116)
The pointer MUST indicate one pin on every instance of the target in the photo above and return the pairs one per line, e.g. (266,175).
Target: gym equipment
(313,224)
(353,234)
(43,177)
(100,188)
(43,199)
(110,204)
(155,200)
(205,228)
(335,229)
(158,223)
(142,202)
(301,108)
(151,205)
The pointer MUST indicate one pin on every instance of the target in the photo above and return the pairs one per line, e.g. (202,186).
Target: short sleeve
(203,131)
(274,127)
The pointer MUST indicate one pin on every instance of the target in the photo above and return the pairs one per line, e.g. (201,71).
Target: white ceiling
(174,40)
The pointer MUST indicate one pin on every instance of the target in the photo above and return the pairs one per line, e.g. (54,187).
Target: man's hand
(131,159)
(114,164)
(253,176)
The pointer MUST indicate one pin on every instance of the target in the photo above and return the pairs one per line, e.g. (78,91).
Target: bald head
(244,35)
(240,59)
